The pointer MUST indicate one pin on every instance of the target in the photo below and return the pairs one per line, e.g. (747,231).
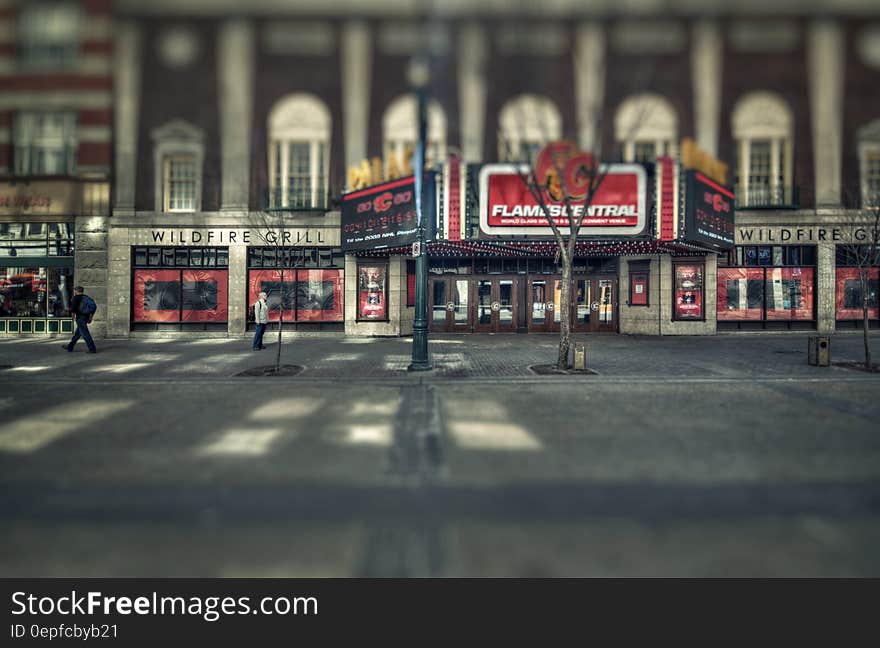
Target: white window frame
(527,121)
(646,119)
(868,147)
(299,118)
(176,138)
(44,25)
(400,131)
(166,182)
(28,140)
(762,116)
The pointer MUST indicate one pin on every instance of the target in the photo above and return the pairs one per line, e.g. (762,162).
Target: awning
(544,248)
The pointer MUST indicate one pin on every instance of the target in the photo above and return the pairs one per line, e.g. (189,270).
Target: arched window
(525,124)
(869,163)
(762,133)
(400,130)
(299,160)
(646,127)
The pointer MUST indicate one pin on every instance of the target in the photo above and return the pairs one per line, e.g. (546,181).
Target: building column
(589,82)
(127,85)
(237,300)
(825,60)
(119,283)
(356,70)
(235,61)
(472,88)
(706,71)
(826,268)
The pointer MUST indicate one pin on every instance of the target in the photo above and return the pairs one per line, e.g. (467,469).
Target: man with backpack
(82,309)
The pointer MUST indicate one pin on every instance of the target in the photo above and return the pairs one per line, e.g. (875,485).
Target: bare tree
(862,248)
(273,230)
(572,178)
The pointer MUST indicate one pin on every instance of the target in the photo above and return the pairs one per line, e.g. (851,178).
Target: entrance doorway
(450,301)
(543,304)
(592,303)
(495,307)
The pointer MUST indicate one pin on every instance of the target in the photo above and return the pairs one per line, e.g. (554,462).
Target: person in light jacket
(261,317)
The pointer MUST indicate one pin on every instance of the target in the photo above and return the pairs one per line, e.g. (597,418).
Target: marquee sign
(384,216)
(709,212)
(618,208)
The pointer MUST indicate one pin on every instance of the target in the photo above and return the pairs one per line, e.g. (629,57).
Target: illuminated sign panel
(709,212)
(384,216)
(618,208)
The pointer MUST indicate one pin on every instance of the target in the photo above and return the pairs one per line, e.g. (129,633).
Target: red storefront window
(756,294)
(849,294)
(204,295)
(319,295)
(180,295)
(740,293)
(308,295)
(788,293)
(269,282)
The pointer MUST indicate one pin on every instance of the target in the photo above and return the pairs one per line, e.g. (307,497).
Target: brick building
(55,157)
(235,126)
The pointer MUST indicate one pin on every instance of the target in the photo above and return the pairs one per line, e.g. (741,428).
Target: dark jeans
(258,336)
(82,331)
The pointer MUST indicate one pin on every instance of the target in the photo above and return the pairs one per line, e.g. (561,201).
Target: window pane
(759,172)
(319,295)
(44,143)
(48,33)
(644,152)
(299,175)
(872,178)
(180,183)
(23,292)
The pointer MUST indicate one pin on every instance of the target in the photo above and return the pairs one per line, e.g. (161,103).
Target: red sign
(619,206)
(688,292)
(639,289)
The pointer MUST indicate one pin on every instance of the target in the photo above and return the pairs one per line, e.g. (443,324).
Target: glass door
(495,305)
(538,315)
(437,288)
(449,304)
(483,305)
(459,313)
(606,313)
(506,305)
(581,304)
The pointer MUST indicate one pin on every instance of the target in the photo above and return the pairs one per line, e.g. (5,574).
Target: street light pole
(419,72)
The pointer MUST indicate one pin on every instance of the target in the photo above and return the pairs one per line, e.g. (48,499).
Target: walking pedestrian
(261,317)
(82,309)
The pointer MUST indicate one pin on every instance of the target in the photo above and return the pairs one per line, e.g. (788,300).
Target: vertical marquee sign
(384,216)
(709,212)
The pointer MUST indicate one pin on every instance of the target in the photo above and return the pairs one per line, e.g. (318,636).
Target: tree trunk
(565,315)
(863,279)
(280,326)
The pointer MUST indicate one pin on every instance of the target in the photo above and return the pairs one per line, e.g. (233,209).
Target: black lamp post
(419,73)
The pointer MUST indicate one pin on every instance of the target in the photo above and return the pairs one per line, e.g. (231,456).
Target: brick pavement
(477,357)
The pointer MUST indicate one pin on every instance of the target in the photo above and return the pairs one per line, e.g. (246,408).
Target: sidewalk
(471,357)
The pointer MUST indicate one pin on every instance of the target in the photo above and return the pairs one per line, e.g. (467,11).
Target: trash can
(819,351)
(580,357)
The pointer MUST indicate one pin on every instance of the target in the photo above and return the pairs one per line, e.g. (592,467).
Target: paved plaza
(709,456)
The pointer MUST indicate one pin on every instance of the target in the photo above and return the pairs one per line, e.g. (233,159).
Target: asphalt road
(626,476)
